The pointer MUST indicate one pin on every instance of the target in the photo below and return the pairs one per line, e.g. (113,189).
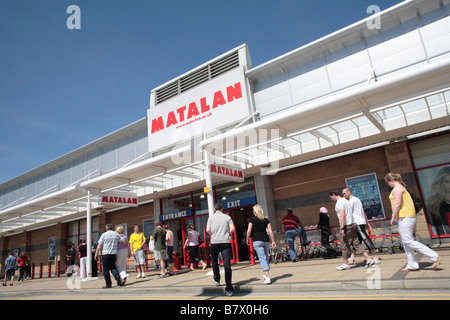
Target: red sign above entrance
(227,172)
(119,200)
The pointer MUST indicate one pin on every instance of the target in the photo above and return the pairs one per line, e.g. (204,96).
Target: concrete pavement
(287,277)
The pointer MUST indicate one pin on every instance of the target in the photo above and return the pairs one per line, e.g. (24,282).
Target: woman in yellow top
(403,211)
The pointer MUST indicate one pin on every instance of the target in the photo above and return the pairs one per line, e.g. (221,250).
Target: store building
(341,111)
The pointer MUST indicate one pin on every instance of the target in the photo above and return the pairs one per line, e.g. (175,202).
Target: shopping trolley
(315,248)
(382,229)
(281,252)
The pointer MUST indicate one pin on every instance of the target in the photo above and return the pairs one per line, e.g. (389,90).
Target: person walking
(10,264)
(260,230)
(348,231)
(82,252)
(122,254)
(169,249)
(22,263)
(325,233)
(192,242)
(71,259)
(360,219)
(293,227)
(108,243)
(220,227)
(159,237)
(137,241)
(403,210)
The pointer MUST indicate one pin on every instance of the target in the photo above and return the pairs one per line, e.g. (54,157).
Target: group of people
(115,248)
(78,257)
(22,263)
(353,225)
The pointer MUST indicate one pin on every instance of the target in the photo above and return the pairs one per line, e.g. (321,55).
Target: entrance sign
(215,104)
(227,172)
(176,215)
(114,199)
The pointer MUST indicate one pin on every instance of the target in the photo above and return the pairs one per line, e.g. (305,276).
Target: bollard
(176,261)
(251,252)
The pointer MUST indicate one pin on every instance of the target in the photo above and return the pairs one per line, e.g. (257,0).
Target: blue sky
(61,89)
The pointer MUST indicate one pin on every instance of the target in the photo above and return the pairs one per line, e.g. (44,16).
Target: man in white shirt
(220,227)
(348,232)
(360,219)
(107,244)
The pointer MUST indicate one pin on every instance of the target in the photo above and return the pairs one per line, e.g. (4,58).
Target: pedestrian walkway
(307,275)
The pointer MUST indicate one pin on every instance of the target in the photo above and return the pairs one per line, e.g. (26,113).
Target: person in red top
(22,263)
(293,227)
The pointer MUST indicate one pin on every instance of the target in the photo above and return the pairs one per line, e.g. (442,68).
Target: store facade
(179,211)
(341,111)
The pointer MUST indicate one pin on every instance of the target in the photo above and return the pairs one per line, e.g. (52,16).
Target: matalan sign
(119,200)
(227,172)
(205,108)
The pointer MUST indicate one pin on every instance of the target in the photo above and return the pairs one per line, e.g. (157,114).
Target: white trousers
(83,267)
(121,262)
(406,229)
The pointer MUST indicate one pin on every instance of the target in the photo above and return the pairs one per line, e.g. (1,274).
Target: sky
(62,88)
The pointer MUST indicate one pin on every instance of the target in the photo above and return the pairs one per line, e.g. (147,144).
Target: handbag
(417,201)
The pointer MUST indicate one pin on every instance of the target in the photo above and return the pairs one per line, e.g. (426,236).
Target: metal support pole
(209,194)
(89,236)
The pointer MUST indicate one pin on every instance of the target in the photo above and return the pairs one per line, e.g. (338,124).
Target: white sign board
(110,199)
(212,105)
(227,172)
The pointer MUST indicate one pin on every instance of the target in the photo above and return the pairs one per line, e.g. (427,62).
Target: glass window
(200,202)
(76,230)
(235,191)
(176,203)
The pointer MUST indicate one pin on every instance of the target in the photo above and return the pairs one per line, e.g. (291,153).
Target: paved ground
(290,280)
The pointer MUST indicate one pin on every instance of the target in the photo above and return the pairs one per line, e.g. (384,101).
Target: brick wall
(305,189)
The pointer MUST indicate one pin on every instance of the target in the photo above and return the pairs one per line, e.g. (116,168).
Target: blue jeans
(291,234)
(225,251)
(262,250)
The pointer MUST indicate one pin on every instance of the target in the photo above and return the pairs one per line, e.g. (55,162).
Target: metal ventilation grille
(198,77)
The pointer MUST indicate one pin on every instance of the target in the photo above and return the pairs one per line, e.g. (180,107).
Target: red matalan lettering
(171,119)
(219,100)
(203,106)
(193,110)
(178,116)
(234,92)
(157,124)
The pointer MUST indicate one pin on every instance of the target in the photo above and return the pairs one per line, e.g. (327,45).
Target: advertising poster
(435,185)
(51,248)
(366,188)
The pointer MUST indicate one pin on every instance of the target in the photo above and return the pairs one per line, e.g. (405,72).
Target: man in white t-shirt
(220,227)
(348,232)
(360,219)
